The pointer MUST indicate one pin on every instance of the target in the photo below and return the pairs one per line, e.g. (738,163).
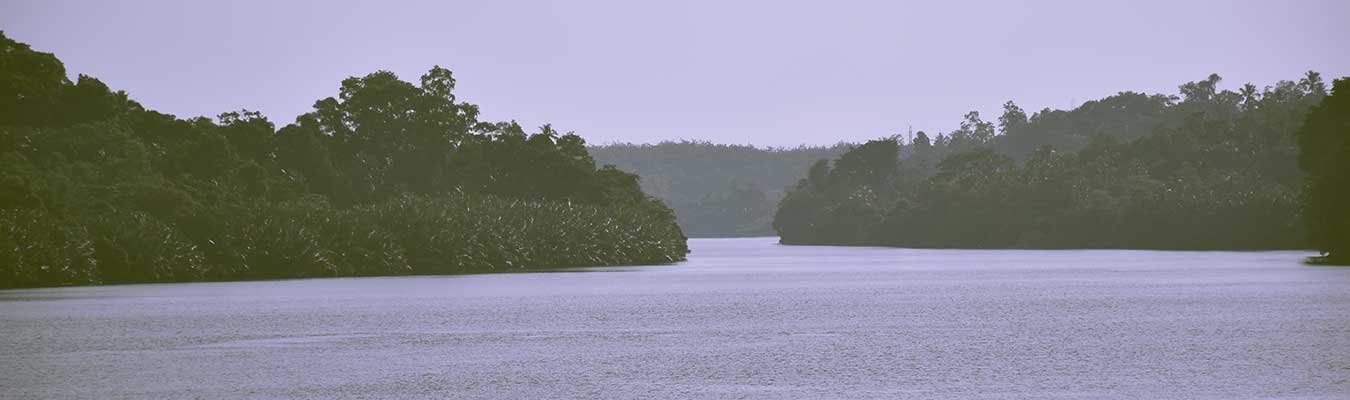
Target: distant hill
(716,189)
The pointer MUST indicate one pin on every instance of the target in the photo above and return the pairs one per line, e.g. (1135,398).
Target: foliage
(37,248)
(387,178)
(1208,170)
(1324,143)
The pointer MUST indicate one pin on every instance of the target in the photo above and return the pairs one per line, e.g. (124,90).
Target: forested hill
(1205,169)
(716,189)
(387,178)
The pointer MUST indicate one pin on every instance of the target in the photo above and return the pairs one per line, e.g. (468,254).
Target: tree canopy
(389,177)
(1324,143)
(1209,169)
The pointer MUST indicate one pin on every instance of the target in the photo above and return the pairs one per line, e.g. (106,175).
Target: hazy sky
(767,73)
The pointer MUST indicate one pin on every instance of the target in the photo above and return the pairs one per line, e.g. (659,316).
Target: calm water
(744,318)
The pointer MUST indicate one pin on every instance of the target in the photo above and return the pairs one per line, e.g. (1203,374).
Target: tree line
(1205,169)
(389,177)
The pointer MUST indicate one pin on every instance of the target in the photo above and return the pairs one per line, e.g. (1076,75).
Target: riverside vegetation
(1324,143)
(388,178)
(1208,169)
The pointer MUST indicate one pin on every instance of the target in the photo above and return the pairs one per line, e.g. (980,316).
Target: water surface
(743,318)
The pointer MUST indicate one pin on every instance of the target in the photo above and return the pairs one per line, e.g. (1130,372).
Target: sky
(769,73)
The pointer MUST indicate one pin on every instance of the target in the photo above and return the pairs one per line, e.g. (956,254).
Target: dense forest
(1324,144)
(389,177)
(716,189)
(1205,169)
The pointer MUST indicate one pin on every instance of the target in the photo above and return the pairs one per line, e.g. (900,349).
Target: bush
(40,249)
(133,247)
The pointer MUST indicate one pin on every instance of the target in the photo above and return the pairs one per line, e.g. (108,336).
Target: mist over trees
(716,189)
(389,177)
(1205,169)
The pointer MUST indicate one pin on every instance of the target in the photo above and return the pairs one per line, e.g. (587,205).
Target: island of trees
(388,178)
(1208,169)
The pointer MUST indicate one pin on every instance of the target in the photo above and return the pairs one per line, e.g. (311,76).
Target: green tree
(1216,170)
(1324,143)
(387,178)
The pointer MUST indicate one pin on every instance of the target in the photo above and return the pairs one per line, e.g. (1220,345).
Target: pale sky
(763,72)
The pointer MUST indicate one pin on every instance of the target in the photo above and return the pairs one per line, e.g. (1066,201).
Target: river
(743,318)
